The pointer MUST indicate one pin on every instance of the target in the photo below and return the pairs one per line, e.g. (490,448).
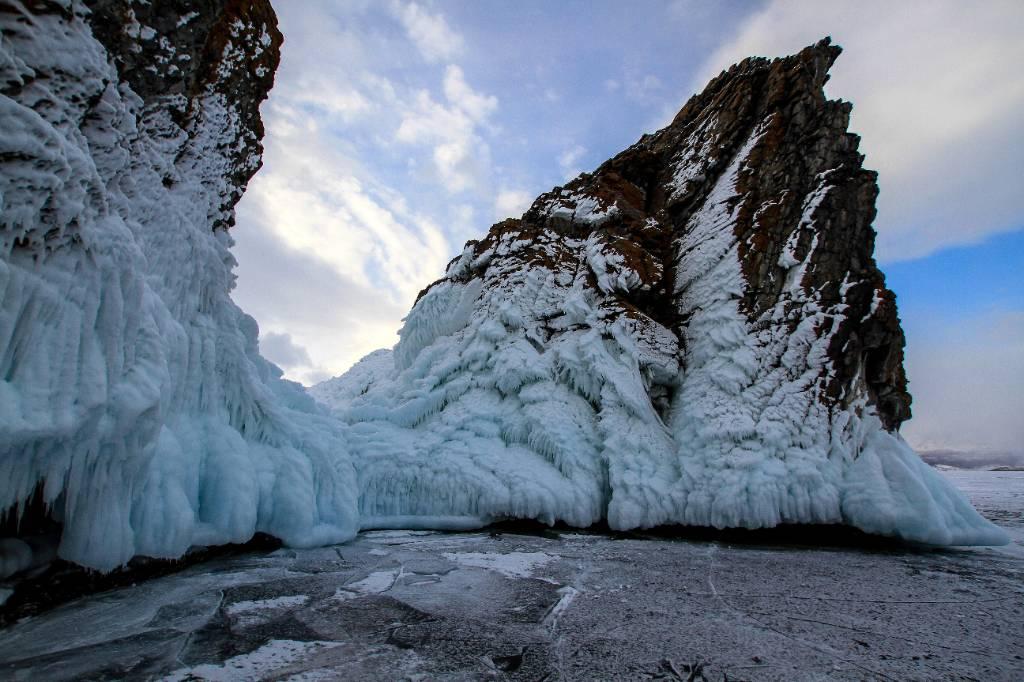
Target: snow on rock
(133,399)
(695,333)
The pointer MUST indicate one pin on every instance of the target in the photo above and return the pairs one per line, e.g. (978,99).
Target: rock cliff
(694,333)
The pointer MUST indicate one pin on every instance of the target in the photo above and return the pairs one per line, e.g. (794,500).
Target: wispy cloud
(346,245)
(430,32)
(476,105)
(461,156)
(569,161)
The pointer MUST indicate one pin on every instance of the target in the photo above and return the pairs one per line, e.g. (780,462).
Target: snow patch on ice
(566,596)
(375,583)
(267,604)
(256,665)
(510,564)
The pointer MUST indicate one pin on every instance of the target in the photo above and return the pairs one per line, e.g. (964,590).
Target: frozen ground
(566,605)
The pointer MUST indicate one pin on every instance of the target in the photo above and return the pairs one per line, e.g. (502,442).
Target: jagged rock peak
(696,332)
(804,207)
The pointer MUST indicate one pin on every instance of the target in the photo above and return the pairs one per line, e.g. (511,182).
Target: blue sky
(398,129)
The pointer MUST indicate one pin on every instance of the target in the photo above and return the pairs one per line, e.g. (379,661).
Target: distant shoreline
(975,459)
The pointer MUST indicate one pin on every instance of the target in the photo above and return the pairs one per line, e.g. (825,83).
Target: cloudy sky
(397,130)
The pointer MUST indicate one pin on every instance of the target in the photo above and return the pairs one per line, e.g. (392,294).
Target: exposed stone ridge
(637,206)
(175,53)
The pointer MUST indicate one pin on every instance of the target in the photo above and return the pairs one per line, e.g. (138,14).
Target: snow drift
(695,333)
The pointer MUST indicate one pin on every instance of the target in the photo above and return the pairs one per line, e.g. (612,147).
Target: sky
(398,130)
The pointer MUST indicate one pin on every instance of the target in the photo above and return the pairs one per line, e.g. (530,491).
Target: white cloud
(430,32)
(937,97)
(511,203)
(343,226)
(334,318)
(643,89)
(459,163)
(328,253)
(428,120)
(461,156)
(569,160)
(343,102)
(475,105)
(966,381)
(321,204)
(282,350)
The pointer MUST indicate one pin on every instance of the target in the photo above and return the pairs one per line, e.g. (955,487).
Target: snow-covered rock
(695,333)
(134,404)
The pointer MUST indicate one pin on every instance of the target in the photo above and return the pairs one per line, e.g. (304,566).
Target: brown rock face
(803,209)
(174,53)
(695,333)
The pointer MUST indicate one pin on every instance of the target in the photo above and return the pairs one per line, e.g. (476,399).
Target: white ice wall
(130,384)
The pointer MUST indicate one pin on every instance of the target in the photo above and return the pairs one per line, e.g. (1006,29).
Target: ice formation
(696,333)
(134,405)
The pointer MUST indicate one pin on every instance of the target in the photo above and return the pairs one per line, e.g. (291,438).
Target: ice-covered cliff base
(452,476)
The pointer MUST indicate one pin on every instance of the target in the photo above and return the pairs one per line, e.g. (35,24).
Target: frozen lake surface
(563,605)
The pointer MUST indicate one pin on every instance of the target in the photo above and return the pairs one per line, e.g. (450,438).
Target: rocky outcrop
(136,415)
(172,54)
(803,208)
(694,333)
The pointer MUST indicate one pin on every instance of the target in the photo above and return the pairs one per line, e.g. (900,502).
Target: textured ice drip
(132,388)
(757,446)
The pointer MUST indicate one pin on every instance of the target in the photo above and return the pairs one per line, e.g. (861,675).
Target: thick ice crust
(490,422)
(132,393)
